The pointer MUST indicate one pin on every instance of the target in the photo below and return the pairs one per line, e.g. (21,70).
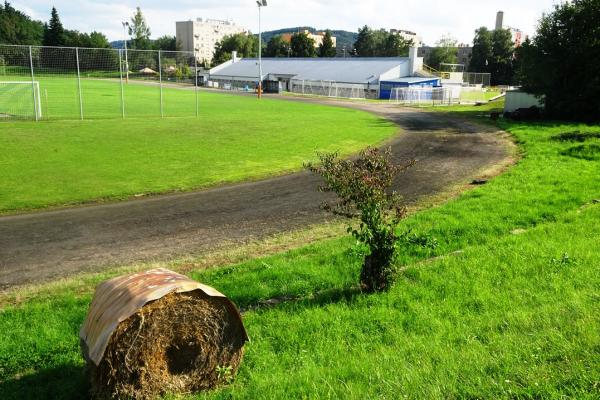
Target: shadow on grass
(62,382)
(319,299)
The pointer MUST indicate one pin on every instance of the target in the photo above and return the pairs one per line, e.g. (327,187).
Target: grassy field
(502,303)
(101,98)
(235,138)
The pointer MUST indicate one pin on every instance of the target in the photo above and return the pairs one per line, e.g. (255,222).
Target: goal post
(20,100)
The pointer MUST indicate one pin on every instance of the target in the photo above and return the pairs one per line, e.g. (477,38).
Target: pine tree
(54,33)
(326,48)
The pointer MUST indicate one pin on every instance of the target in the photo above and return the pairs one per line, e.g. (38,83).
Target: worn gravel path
(42,246)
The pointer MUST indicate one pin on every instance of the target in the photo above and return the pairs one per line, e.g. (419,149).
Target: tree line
(17,27)
(300,45)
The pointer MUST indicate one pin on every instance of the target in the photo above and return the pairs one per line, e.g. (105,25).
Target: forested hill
(344,38)
(18,28)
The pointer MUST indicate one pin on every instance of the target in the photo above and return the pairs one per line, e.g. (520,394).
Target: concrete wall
(184,32)
(516,100)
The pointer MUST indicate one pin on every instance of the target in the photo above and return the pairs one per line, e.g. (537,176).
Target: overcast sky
(431,19)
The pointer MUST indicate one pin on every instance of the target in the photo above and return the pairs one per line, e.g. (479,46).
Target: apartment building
(201,35)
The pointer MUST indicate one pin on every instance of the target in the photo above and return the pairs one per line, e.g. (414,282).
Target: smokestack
(499,20)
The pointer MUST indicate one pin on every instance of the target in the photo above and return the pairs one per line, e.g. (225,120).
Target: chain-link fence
(83,83)
(476,78)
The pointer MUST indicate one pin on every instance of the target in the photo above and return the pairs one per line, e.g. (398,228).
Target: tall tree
(395,46)
(365,45)
(98,40)
(18,28)
(482,50)
(277,47)
(54,34)
(245,45)
(561,62)
(326,48)
(380,43)
(501,65)
(139,31)
(302,45)
(446,51)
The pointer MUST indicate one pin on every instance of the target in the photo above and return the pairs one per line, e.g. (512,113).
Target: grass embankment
(235,138)
(499,301)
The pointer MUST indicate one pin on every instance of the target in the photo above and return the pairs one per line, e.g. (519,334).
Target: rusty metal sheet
(119,298)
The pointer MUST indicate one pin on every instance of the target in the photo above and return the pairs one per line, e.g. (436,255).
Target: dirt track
(42,246)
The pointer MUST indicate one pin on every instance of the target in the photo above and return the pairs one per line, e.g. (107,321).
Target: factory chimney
(499,20)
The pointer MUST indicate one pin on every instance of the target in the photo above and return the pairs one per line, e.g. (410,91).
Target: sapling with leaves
(363,186)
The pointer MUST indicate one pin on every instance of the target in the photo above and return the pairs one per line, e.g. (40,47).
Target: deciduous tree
(482,50)
(245,45)
(501,64)
(561,62)
(139,31)
(446,51)
(277,47)
(302,45)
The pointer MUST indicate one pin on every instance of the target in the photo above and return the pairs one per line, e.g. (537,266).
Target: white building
(408,35)
(370,77)
(202,35)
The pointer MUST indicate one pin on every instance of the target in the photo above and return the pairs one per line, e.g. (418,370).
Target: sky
(431,19)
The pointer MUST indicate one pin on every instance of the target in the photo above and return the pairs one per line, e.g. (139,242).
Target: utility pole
(126,25)
(261,4)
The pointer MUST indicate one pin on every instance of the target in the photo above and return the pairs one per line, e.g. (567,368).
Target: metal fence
(477,78)
(329,89)
(38,82)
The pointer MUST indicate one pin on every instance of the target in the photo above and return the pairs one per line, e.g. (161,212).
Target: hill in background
(344,38)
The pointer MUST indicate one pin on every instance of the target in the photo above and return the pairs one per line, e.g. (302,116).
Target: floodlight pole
(261,4)
(126,24)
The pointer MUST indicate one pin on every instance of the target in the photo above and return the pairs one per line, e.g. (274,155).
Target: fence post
(160,84)
(196,79)
(79,84)
(121,81)
(35,107)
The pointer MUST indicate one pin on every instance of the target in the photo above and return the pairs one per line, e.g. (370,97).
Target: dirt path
(43,246)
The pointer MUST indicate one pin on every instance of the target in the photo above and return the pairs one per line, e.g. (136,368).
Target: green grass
(508,308)
(235,138)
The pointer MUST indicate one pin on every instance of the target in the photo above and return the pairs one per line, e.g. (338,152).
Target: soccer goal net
(20,100)
(426,95)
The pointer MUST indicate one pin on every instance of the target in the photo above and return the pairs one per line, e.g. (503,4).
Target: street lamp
(126,25)
(261,4)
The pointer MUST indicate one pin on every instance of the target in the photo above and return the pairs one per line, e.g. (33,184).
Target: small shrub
(363,188)
(423,240)
(563,261)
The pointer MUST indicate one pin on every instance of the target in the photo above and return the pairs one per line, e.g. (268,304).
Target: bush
(363,188)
